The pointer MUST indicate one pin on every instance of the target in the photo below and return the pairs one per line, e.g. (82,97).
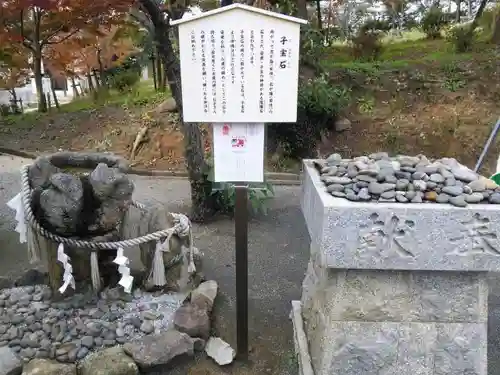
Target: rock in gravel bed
(160,349)
(112,361)
(9,363)
(48,367)
(405,179)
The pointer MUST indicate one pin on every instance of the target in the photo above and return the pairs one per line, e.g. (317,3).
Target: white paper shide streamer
(123,269)
(68,279)
(16,204)
(158,264)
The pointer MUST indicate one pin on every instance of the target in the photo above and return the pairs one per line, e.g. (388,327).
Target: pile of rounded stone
(113,334)
(32,325)
(405,179)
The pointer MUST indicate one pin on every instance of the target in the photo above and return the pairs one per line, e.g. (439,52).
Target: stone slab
(390,348)
(398,296)
(300,340)
(400,236)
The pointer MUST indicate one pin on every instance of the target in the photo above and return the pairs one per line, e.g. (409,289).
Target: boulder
(112,361)
(32,276)
(160,349)
(114,190)
(342,124)
(48,367)
(9,363)
(168,105)
(110,183)
(192,320)
(61,203)
(40,171)
(204,295)
(220,351)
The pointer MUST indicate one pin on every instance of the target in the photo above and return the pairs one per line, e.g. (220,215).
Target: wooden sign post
(239,70)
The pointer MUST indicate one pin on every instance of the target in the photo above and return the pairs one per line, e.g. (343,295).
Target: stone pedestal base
(396,289)
(366,322)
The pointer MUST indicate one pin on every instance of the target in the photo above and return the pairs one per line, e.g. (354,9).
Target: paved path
(278,254)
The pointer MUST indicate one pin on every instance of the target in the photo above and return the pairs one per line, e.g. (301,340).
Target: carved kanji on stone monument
(476,237)
(385,236)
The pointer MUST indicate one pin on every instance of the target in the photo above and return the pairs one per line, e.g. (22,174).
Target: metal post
(241,248)
(487,145)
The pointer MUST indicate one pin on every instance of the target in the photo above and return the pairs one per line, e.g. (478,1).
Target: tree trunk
(52,88)
(14,106)
(195,158)
(96,77)
(37,70)
(302,9)
(91,83)
(102,74)
(457,14)
(318,13)
(159,71)
(495,38)
(164,83)
(76,94)
(153,65)
(476,18)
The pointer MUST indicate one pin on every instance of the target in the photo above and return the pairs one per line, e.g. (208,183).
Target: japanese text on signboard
(229,54)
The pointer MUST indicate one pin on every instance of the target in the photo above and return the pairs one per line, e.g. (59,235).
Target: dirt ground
(427,110)
(433,109)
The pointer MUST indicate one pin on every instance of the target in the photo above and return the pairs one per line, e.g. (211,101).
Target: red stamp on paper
(238,142)
(225,129)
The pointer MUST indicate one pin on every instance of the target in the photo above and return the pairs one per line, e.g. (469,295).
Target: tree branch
(142,20)
(46,42)
(46,39)
(27,42)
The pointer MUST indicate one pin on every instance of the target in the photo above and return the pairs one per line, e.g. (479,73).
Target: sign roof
(242,7)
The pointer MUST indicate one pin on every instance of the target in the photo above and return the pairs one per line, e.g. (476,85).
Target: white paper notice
(239,152)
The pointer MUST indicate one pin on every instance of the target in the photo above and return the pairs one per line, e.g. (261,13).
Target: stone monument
(393,287)
(88,196)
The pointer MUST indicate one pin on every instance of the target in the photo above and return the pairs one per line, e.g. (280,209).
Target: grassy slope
(419,97)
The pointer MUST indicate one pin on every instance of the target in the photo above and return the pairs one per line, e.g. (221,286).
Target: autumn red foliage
(36,26)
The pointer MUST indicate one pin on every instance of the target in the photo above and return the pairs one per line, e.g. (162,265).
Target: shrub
(366,45)
(375,25)
(5,109)
(312,46)
(432,23)
(317,108)
(124,80)
(461,37)
(222,195)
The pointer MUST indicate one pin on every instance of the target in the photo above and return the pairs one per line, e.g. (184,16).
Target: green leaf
(270,187)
